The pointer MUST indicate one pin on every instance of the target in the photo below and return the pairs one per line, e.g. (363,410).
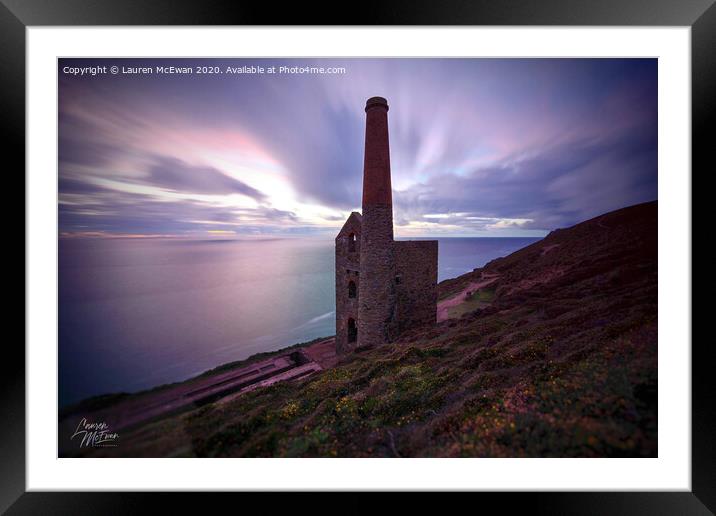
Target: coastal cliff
(548,352)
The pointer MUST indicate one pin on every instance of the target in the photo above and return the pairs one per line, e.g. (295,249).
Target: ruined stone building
(383,287)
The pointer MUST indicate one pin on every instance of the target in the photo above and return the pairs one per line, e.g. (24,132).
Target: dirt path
(548,248)
(459,298)
(323,352)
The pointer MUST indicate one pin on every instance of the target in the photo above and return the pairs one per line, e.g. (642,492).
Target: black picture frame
(17,15)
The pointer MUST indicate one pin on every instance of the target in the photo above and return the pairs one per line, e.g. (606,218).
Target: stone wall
(347,270)
(416,275)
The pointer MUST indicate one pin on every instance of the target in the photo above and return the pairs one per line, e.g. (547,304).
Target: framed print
(431,250)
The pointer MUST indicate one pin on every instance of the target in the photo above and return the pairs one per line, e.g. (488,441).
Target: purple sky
(479,147)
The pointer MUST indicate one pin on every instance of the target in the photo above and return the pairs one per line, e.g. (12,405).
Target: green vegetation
(473,301)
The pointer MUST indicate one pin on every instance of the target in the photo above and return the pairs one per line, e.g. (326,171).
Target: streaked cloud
(478,146)
(173,174)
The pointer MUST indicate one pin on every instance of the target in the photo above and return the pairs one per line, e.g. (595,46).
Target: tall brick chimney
(376,300)
(376,164)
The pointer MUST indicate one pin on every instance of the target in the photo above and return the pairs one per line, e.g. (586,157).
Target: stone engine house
(383,287)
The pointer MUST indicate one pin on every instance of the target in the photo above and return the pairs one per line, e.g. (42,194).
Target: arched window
(352,330)
(352,289)
(351,242)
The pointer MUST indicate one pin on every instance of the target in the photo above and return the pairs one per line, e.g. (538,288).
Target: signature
(95,434)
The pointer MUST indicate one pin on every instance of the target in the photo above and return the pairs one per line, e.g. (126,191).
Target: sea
(137,313)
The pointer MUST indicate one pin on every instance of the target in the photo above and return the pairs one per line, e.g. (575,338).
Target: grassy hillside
(556,357)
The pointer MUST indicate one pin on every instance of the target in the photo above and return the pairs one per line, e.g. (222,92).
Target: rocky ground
(548,352)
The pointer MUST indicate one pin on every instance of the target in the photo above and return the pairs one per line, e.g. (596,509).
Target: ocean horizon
(138,313)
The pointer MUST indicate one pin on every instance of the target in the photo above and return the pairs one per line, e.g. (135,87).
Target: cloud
(68,185)
(476,145)
(173,174)
(334,218)
(128,213)
(85,152)
(549,188)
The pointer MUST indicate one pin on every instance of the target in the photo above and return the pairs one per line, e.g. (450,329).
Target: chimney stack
(376,164)
(376,300)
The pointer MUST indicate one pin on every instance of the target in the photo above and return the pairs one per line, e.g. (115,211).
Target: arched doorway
(352,330)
